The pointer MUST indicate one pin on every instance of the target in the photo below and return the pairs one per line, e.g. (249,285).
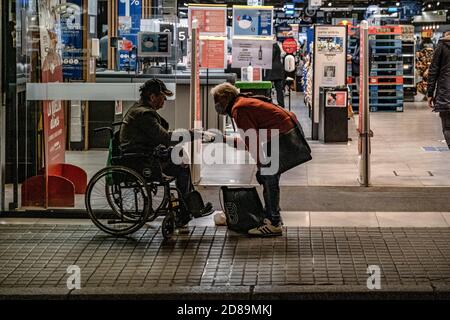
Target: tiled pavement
(36,256)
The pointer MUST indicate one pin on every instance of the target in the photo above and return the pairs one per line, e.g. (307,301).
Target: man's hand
(430,102)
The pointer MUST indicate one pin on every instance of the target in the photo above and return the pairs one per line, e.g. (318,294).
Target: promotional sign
(72,40)
(254,51)
(129,13)
(289,45)
(315,3)
(336,99)
(154,44)
(212,52)
(51,68)
(252,21)
(212,20)
(330,64)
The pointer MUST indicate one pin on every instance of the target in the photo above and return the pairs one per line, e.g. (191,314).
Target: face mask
(220,109)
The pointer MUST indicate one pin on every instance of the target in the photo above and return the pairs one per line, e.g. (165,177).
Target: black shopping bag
(243,208)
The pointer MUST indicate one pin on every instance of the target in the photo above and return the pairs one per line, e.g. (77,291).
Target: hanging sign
(289,45)
(212,52)
(212,20)
(254,51)
(253,21)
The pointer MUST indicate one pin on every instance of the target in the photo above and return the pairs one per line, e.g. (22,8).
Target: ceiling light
(330,4)
(398,4)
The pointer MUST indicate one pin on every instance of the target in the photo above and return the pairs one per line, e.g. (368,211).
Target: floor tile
(411,219)
(342,219)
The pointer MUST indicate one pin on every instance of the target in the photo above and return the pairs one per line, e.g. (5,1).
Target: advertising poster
(336,99)
(130,14)
(53,111)
(154,44)
(329,75)
(51,64)
(72,41)
(290,45)
(330,64)
(252,21)
(212,20)
(258,52)
(212,53)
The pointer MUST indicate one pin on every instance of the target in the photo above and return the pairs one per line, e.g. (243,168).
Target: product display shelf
(386,69)
(354,94)
(409,56)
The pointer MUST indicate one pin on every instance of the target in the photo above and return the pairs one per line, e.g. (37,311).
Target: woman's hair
(224,89)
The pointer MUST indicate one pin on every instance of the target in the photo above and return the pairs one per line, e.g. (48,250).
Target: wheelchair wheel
(157,193)
(168,225)
(117,200)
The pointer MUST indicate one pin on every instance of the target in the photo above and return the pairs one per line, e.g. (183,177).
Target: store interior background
(408,148)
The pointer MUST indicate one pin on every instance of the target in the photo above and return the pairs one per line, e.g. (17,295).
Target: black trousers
(279,88)
(445,118)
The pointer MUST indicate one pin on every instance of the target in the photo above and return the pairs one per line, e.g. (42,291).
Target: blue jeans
(271,193)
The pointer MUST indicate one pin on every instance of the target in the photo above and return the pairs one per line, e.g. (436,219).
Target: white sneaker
(220,219)
(267,229)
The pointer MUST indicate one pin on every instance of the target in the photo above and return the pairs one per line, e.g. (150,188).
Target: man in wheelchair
(144,131)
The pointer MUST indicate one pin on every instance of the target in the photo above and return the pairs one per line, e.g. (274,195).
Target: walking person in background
(438,91)
(276,74)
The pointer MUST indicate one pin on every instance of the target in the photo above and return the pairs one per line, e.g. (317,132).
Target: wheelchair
(120,200)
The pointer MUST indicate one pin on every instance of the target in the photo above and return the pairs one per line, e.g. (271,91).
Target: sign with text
(129,16)
(72,41)
(254,51)
(330,63)
(336,99)
(290,45)
(51,71)
(253,21)
(212,20)
(212,52)
(154,44)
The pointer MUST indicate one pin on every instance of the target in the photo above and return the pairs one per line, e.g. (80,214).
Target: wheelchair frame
(170,205)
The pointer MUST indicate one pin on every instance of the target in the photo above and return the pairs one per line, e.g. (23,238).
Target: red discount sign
(290,45)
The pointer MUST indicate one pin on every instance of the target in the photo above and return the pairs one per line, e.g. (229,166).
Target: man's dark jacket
(439,76)
(143,130)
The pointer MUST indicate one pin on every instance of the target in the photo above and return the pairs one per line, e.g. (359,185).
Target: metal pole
(194,70)
(364,120)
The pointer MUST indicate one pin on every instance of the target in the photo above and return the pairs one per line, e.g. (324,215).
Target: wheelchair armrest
(133,155)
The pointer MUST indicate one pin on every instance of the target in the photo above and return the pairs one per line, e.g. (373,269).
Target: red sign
(290,45)
(197,81)
(210,20)
(257,74)
(212,54)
